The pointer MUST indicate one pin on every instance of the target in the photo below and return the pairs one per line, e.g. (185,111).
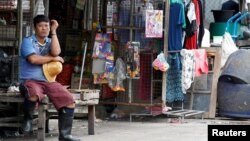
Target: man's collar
(35,39)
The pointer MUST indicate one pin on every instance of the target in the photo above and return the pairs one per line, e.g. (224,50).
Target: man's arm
(55,46)
(38,59)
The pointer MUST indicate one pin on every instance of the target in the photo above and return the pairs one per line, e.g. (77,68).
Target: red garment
(191,42)
(197,12)
(57,93)
(201,61)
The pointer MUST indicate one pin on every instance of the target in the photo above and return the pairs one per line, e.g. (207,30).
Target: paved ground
(146,129)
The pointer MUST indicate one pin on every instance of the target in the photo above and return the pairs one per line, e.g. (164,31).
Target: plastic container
(233,100)
(219,28)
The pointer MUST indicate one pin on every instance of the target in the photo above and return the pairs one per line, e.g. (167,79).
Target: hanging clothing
(183,11)
(191,41)
(191,18)
(201,27)
(174,84)
(201,62)
(188,69)
(176,19)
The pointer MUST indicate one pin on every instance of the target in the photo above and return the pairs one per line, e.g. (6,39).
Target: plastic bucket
(222,15)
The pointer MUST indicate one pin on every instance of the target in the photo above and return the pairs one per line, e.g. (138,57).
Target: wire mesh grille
(148,87)
(8,40)
(9,36)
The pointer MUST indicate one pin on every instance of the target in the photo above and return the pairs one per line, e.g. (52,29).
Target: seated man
(35,51)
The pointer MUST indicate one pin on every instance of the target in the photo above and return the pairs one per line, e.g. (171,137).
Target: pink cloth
(201,62)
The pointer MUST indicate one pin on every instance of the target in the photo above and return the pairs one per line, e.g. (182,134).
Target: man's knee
(73,105)
(33,98)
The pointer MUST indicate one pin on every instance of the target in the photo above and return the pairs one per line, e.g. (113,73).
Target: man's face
(42,29)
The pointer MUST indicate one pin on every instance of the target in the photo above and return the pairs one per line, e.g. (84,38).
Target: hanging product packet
(160,63)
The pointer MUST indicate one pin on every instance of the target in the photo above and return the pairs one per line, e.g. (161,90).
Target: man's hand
(58,58)
(53,26)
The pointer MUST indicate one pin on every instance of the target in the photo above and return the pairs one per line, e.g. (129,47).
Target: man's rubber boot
(29,108)
(65,125)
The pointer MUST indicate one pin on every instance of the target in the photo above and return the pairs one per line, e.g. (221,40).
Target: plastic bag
(228,47)
(115,78)
(160,63)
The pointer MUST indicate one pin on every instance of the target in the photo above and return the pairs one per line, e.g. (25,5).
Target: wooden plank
(84,90)
(88,102)
(41,123)
(216,74)
(8,119)
(10,124)
(91,119)
(11,99)
(88,96)
(10,94)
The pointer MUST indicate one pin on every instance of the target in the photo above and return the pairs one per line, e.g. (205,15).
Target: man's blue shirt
(31,46)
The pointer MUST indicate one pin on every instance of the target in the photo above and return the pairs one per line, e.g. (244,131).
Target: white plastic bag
(160,63)
(228,47)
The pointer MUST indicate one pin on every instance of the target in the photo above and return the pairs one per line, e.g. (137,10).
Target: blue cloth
(174,86)
(30,46)
(176,19)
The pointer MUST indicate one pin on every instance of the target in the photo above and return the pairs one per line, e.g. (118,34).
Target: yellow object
(51,70)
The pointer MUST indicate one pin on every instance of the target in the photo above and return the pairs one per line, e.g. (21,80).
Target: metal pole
(83,62)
